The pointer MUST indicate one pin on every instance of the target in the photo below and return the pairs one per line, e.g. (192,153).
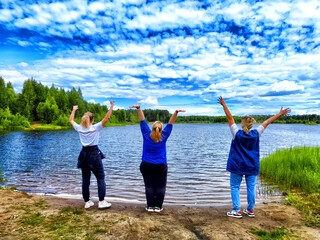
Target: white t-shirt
(88,136)
(234,129)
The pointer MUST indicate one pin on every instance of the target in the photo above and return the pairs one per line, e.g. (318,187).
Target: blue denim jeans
(235,181)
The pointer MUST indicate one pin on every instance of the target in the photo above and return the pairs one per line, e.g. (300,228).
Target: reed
(294,168)
(297,168)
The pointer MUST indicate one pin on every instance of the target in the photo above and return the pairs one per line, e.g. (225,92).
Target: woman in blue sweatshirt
(244,158)
(153,166)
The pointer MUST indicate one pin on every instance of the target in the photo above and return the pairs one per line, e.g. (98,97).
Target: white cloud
(24,43)
(23,64)
(92,101)
(96,7)
(274,10)
(286,86)
(13,76)
(107,103)
(154,80)
(149,101)
(170,16)
(5,15)
(223,85)
(128,80)
(213,60)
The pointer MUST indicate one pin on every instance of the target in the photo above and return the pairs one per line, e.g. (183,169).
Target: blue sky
(258,55)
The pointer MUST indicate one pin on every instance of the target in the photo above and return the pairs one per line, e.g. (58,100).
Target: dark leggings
(86,175)
(155,181)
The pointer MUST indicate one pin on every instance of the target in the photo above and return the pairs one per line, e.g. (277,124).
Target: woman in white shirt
(90,158)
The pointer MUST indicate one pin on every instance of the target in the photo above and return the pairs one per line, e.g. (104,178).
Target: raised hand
(221,101)
(285,111)
(75,108)
(135,106)
(180,110)
(112,102)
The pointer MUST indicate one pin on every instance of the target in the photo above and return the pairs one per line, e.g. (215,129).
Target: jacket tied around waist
(90,157)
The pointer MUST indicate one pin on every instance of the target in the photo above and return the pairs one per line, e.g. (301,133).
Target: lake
(45,162)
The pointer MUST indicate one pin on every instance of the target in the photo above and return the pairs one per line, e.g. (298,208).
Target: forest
(39,103)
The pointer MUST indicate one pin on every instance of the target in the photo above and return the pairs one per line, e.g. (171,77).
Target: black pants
(155,181)
(89,161)
(86,175)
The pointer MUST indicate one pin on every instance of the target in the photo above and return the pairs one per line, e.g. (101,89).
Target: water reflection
(45,162)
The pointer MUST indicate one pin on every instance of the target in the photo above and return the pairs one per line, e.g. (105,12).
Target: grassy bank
(297,172)
(49,127)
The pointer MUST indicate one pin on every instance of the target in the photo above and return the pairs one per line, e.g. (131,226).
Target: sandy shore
(24,216)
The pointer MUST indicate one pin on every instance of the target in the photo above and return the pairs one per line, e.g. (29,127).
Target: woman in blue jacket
(244,158)
(90,156)
(153,166)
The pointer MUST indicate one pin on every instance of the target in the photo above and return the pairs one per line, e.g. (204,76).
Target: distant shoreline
(50,127)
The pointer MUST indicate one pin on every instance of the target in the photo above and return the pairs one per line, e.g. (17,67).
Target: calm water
(45,162)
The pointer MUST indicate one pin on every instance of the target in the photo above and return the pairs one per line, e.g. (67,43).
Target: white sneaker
(249,213)
(234,214)
(104,204)
(157,209)
(88,204)
(150,209)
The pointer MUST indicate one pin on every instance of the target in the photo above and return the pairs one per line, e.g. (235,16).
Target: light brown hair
(247,123)
(156,132)
(86,119)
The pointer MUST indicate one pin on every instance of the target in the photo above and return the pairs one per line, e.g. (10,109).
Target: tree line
(53,106)
(305,119)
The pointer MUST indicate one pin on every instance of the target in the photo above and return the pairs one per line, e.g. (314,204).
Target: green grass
(294,168)
(309,204)
(46,127)
(2,178)
(273,235)
(297,172)
(33,219)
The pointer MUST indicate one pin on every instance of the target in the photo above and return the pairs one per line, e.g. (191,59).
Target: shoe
(249,213)
(157,209)
(88,204)
(150,209)
(234,214)
(104,204)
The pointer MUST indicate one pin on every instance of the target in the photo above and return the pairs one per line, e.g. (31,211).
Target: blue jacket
(244,153)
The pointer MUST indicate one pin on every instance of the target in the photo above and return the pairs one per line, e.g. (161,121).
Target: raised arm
(275,117)
(226,111)
(108,115)
(74,109)
(175,115)
(139,110)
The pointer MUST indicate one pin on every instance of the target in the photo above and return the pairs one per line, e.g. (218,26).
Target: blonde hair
(156,132)
(86,119)
(247,123)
